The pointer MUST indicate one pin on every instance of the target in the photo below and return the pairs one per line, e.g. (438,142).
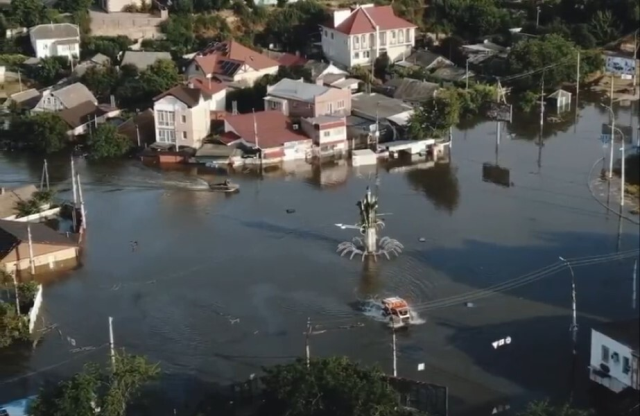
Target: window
(184,119)
(274,105)
(400,36)
(363,40)
(331,35)
(356,55)
(166,136)
(326,33)
(626,365)
(326,133)
(383,39)
(340,104)
(371,39)
(408,35)
(366,54)
(605,354)
(184,135)
(356,42)
(166,118)
(393,37)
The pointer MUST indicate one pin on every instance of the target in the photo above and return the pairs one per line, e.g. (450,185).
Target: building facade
(182,116)
(55,39)
(614,355)
(295,98)
(358,36)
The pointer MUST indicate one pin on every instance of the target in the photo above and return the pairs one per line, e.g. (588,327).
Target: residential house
(296,98)
(183,115)
(486,58)
(140,129)
(452,74)
(231,62)
(340,81)
(24,245)
(55,39)
(57,99)
(286,59)
(614,355)
(25,100)
(328,133)
(411,91)
(9,199)
(319,69)
(425,59)
(271,133)
(95,61)
(82,116)
(359,35)
(376,107)
(143,60)
(217,91)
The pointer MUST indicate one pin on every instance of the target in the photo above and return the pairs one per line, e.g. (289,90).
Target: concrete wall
(44,255)
(133,25)
(35,310)
(45,48)
(46,213)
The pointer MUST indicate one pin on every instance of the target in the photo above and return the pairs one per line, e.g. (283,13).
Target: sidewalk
(607,192)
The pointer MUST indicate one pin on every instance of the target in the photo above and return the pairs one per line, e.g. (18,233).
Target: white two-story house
(55,39)
(359,35)
(183,114)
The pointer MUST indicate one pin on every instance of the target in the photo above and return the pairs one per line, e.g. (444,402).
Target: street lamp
(574,322)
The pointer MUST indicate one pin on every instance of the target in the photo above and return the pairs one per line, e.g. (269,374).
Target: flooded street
(221,285)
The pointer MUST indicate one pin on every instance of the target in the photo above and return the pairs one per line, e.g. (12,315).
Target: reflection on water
(439,184)
(370,283)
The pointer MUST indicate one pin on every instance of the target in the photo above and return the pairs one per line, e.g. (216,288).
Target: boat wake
(373,308)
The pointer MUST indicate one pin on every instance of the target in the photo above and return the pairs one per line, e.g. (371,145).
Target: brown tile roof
(12,233)
(145,127)
(10,197)
(274,128)
(226,58)
(189,96)
(287,59)
(364,20)
(78,115)
(210,86)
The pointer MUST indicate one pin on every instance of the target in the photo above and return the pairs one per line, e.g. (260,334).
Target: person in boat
(226,183)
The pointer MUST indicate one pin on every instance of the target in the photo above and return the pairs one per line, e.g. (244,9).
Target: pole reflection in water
(370,282)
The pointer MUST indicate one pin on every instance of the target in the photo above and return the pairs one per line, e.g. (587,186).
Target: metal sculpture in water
(369,224)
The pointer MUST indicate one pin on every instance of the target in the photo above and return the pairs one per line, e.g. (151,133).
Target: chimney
(339,16)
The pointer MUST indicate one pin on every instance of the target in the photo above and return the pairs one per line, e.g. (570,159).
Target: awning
(401,119)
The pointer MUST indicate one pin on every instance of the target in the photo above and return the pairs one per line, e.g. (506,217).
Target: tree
(106,142)
(50,70)
(544,408)
(29,13)
(434,117)
(100,80)
(554,53)
(381,67)
(604,26)
(93,389)
(42,132)
(13,327)
(329,387)
(72,6)
(159,77)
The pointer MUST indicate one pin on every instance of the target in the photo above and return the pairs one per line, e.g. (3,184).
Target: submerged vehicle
(225,186)
(397,310)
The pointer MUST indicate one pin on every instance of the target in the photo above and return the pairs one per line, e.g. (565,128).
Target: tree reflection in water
(439,184)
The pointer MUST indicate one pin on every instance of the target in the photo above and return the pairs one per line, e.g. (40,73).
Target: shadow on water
(284,231)
(439,184)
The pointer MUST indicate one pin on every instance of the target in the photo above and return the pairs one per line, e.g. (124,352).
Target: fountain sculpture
(369,224)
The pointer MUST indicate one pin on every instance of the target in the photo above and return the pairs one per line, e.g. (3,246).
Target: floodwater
(221,285)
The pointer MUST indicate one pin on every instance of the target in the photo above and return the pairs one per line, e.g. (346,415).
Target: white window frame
(605,353)
(166,118)
(184,135)
(166,136)
(408,37)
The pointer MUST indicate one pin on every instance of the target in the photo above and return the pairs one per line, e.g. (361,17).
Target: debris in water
(291,211)
(422,239)
(469,304)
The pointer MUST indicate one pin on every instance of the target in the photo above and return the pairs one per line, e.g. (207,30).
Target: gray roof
(74,94)
(316,67)
(411,90)
(296,90)
(560,93)
(425,58)
(367,105)
(143,60)
(66,42)
(324,119)
(13,233)
(10,197)
(217,150)
(54,31)
(451,73)
(100,59)
(24,97)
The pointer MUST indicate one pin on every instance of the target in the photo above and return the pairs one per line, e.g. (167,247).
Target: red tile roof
(225,58)
(274,128)
(364,20)
(289,59)
(208,85)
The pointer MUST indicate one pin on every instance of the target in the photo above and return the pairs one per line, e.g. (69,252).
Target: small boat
(226,186)
(397,310)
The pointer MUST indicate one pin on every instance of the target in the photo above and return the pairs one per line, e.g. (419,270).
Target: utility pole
(395,353)
(537,16)
(20,80)
(138,130)
(306,341)
(613,133)
(111,345)
(15,286)
(574,315)
(578,79)
(467,75)
(634,295)
(255,134)
(31,262)
(622,175)
(73,183)
(44,179)
(82,212)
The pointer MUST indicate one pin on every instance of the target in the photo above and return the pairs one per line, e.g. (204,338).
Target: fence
(52,212)
(35,310)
